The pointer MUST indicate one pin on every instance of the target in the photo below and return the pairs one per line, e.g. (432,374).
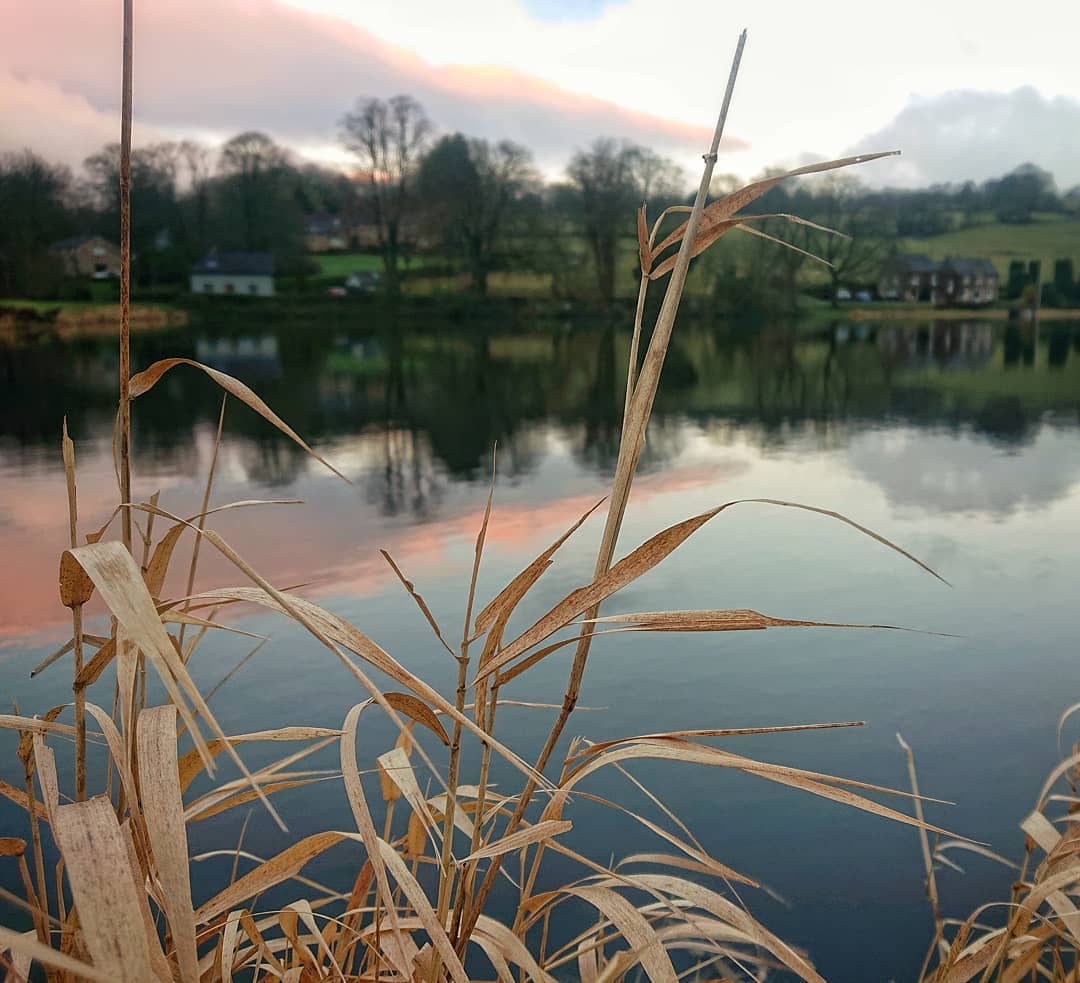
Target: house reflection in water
(956,344)
(245,357)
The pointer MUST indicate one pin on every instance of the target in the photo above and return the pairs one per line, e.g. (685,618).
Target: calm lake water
(958,440)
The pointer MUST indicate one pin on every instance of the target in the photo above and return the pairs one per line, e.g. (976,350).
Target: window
(100,268)
(253,288)
(99,250)
(229,288)
(208,287)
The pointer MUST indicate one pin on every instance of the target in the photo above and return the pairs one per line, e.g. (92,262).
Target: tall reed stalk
(639,402)
(125,273)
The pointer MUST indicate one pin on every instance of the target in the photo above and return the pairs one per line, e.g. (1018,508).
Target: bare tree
(610,180)
(253,165)
(469,189)
(869,232)
(657,178)
(388,138)
(197,167)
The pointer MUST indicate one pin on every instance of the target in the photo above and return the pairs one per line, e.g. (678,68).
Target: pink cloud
(220,66)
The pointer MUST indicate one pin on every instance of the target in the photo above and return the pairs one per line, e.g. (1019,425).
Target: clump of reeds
(118,905)
(1035,933)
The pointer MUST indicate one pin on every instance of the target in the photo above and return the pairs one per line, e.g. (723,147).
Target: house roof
(323,225)
(236,264)
(914,263)
(970,267)
(73,242)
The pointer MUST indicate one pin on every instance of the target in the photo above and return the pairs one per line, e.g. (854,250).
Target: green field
(1048,238)
(43,305)
(342,264)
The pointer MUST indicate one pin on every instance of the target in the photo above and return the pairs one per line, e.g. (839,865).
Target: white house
(247,274)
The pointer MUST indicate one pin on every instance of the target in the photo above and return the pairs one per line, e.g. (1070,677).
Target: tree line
(479,205)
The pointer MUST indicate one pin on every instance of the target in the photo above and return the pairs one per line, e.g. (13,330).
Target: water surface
(958,440)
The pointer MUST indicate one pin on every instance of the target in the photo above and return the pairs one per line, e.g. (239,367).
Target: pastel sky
(962,89)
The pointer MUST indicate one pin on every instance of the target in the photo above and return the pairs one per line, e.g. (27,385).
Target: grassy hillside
(1048,238)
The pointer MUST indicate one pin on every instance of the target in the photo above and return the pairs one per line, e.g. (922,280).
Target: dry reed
(125,858)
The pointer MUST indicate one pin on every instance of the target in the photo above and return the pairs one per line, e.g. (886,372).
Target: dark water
(958,440)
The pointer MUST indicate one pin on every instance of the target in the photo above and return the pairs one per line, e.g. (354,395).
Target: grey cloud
(220,66)
(978,135)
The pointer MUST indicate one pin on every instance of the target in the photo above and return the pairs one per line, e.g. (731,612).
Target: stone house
(325,233)
(908,277)
(966,281)
(247,274)
(87,255)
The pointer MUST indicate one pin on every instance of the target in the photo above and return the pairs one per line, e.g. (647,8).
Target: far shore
(951,313)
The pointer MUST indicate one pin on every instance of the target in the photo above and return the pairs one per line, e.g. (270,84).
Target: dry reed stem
(125,274)
(202,512)
(68,454)
(924,845)
(633,436)
(447,872)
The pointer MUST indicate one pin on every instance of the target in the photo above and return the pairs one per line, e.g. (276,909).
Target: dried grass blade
(601,746)
(706,236)
(420,904)
(91,842)
(28,945)
(644,558)
(628,569)
(349,637)
(144,381)
(93,669)
(395,765)
(122,588)
(199,811)
(732,914)
(723,208)
(543,830)
(512,948)
(350,772)
(161,558)
(644,252)
(53,657)
(418,710)
(750,230)
(512,590)
(163,812)
(230,936)
(281,867)
(818,784)
(738,619)
(191,764)
(180,618)
(420,602)
(634,927)
(163,970)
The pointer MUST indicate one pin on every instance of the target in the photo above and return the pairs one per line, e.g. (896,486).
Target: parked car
(337,292)
(842,293)
(362,282)
(863,296)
